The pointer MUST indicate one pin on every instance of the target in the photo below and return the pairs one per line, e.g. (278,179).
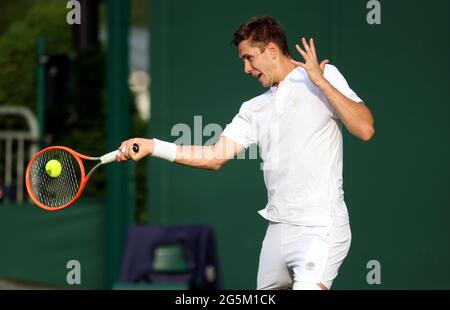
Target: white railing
(14,142)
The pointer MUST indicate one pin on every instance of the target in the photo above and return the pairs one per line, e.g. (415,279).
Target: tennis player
(297,126)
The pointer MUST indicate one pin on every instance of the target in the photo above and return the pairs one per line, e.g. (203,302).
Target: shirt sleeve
(242,128)
(336,79)
(332,74)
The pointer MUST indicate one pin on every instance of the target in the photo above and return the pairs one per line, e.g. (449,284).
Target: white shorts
(309,254)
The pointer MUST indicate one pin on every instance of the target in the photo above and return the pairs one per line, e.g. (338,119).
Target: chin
(265,84)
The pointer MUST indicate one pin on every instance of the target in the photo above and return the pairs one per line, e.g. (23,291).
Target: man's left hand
(311,65)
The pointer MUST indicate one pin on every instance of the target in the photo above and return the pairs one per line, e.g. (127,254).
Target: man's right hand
(126,152)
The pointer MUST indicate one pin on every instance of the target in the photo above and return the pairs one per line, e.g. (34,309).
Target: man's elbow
(367,133)
(216,164)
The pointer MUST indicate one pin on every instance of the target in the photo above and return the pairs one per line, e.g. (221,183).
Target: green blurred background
(396,185)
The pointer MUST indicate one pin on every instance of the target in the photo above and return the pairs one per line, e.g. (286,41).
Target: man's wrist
(151,147)
(164,150)
(324,85)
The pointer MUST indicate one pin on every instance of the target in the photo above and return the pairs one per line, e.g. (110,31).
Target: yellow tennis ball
(53,168)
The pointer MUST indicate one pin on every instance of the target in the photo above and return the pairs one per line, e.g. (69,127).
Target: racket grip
(110,157)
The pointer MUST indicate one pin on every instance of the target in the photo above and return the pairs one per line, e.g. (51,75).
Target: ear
(273,50)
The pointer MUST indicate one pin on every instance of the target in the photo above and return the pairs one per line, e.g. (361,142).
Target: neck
(285,67)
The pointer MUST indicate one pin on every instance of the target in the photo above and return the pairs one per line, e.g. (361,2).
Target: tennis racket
(56,193)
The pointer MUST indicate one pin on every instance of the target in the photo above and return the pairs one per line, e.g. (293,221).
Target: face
(259,65)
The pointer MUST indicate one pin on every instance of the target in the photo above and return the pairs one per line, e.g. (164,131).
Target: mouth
(259,76)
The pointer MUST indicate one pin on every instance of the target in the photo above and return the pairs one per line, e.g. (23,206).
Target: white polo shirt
(300,142)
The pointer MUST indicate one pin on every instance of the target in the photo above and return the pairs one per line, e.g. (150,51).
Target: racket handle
(110,157)
(135,148)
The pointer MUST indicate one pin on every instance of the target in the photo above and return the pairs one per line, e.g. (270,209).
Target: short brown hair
(261,30)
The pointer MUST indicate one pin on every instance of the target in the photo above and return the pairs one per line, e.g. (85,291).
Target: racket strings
(55,192)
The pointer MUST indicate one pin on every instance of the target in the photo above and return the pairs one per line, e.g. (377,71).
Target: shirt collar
(290,77)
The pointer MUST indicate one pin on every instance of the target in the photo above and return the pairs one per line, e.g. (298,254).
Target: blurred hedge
(78,120)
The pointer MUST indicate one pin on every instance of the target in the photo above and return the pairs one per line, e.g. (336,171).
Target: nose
(247,67)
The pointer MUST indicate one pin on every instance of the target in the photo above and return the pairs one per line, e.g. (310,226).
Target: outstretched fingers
(312,66)
(303,53)
(307,48)
(313,48)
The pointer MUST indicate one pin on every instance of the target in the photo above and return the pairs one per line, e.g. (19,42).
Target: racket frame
(84,177)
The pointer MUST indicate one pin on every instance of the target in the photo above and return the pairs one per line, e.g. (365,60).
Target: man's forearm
(202,157)
(355,116)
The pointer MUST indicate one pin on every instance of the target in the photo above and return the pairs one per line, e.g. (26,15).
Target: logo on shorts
(310,266)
